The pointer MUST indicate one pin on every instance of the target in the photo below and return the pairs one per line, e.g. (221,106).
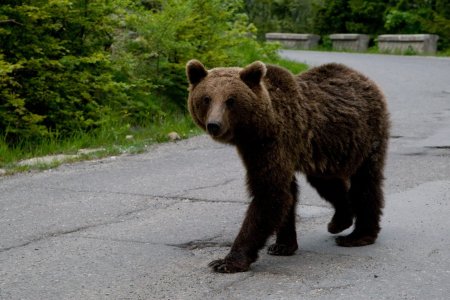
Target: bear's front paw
(228,265)
(282,249)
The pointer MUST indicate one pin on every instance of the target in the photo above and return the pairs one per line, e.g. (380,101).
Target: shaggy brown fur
(330,123)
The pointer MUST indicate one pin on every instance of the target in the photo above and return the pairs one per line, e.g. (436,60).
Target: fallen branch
(11,21)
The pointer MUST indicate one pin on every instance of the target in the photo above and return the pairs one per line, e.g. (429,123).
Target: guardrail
(387,43)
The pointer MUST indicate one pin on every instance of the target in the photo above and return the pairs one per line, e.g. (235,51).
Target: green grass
(293,66)
(112,139)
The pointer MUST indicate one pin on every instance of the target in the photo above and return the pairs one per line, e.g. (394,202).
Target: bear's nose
(213,128)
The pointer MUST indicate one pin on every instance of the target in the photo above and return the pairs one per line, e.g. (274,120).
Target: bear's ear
(195,71)
(253,73)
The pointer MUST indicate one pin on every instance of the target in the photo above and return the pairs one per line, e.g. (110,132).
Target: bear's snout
(213,128)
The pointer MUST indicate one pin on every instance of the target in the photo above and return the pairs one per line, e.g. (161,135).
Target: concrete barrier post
(404,43)
(349,41)
(294,40)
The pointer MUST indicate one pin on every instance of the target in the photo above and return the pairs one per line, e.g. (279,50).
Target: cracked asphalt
(145,226)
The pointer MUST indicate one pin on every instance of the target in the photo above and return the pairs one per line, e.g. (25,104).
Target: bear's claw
(227,266)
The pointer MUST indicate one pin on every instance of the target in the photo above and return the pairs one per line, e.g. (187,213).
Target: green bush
(421,18)
(161,41)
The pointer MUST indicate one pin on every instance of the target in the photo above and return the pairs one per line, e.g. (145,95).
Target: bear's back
(334,85)
(333,114)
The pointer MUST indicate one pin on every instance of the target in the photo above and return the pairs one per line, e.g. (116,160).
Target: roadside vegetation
(109,74)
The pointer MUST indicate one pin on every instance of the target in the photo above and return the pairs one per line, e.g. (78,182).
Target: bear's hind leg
(286,242)
(366,197)
(335,191)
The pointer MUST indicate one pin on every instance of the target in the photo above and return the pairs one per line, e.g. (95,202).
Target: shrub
(56,75)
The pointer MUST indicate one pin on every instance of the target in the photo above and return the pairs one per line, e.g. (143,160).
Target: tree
(386,16)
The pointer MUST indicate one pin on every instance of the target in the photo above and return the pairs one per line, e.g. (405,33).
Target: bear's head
(228,103)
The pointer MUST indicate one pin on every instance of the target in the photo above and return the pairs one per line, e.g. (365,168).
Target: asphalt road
(145,226)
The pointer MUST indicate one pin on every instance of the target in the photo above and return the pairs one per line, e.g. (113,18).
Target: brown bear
(330,123)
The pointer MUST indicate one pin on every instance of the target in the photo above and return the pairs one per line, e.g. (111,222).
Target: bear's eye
(206,100)
(230,102)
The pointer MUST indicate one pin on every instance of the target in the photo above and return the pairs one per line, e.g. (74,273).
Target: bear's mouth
(224,137)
